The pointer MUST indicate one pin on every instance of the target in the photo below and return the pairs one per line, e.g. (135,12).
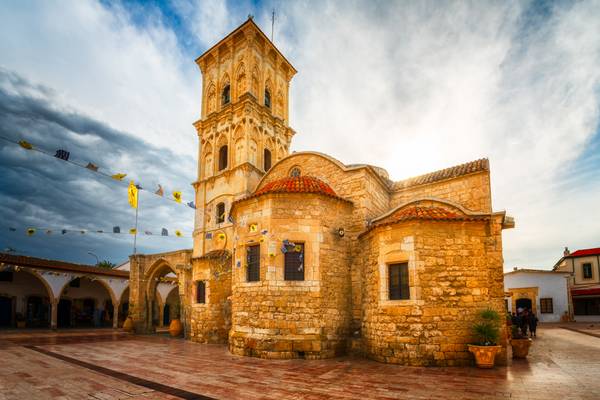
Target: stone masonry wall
(470,191)
(275,318)
(455,270)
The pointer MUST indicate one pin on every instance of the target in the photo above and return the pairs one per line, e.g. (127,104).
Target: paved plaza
(103,364)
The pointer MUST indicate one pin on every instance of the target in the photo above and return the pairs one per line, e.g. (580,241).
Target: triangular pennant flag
(164,232)
(63,231)
(12,229)
(177,196)
(148,232)
(178,234)
(30,231)
(62,154)
(82,232)
(92,166)
(48,232)
(132,194)
(25,144)
(160,191)
(100,231)
(133,231)
(116,229)
(191,205)
(118,177)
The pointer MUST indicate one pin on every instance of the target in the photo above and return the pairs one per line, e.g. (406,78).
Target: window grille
(201,292)
(294,263)
(546,306)
(253,260)
(398,282)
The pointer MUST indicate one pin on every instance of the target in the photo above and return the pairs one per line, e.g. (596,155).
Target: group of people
(526,320)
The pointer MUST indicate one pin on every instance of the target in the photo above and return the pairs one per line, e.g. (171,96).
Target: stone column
(54,314)
(115,316)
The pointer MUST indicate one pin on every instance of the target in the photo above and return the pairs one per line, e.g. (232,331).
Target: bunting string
(116,230)
(65,155)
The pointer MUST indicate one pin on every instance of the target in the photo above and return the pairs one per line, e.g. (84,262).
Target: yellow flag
(132,193)
(25,144)
(133,231)
(118,177)
(30,231)
(178,234)
(177,196)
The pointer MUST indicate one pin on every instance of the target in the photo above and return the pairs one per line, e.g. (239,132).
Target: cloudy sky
(409,86)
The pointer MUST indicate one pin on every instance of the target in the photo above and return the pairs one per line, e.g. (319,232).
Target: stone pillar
(115,316)
(53,313)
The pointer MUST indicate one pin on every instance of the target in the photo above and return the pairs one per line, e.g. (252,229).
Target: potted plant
(175,327)
(520,343)
(21,323)
(487,332)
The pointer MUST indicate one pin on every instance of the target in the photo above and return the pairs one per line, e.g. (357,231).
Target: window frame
(253,266)
(289,274)
(226,95)
(401,291)
(583,271)
(267,152)
(220,216)
(547,303)
(223,157)
(198,283)
(267,98)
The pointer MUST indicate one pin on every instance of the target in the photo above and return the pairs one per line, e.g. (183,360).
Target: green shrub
(487,329)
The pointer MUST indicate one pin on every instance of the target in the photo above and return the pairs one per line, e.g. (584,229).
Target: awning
(586,291)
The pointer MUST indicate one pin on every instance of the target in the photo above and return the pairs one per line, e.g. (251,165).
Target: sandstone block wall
(275,318)
(454,271)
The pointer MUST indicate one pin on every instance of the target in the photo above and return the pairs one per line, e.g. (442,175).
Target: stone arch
(239,147)
(430,200)
(104,284)
(253,152)
(255,79)
(241,84)
(225,90)
(42,280)
(207,161)
(158,268)
(27,284)
(67,311)
(279,104)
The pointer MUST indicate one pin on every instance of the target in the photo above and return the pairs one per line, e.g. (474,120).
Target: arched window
(267,98)
(267,159)
(295,172)
(226,95)
(222,158)
(220,213)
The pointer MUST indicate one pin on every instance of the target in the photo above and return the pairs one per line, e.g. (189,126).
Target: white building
(545,292)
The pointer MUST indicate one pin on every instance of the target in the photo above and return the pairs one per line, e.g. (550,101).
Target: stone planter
(520,347)
(128,325)
(484,355)
(175,328)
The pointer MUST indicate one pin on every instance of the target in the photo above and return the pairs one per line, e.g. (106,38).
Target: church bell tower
(244,127)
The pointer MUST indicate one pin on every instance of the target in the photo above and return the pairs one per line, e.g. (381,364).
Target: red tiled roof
(430,213)
(297,184)
(448,173)
(34,262)
(585,252)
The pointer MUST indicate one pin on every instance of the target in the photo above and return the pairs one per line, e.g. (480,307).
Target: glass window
(267,98)
(294,263)
(220,213)
(267,159)
(253,260)
(201,292)
(226,95)
(223,158)
(546,306)
(398,282)
(587,271)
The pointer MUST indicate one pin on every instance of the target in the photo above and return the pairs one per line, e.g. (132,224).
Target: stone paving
(563,364)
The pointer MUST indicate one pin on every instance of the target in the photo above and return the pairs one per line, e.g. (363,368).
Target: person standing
(533,321)
(524,322)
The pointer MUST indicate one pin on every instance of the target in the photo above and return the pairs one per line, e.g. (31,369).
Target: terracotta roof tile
(448,173)
(424,213)
(298,184)
(34,262)
(585,252)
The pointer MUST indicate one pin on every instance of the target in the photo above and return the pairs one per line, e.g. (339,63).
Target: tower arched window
(267,98)
(220,213)
(226,95)
(267,160)
(223,158)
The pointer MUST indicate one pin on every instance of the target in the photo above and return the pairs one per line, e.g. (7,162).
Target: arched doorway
(25,299)
(523,304)
(162,296)
(85,302)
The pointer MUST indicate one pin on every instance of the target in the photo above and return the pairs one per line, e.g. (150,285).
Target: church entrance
(523,303)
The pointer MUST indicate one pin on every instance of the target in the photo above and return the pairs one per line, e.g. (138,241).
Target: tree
(106,264)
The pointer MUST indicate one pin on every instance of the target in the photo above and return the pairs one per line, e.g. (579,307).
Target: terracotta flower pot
(128,325)
(520,347)
(484,355)
(175,328)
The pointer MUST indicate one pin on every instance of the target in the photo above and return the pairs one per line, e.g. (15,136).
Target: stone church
(301,256)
